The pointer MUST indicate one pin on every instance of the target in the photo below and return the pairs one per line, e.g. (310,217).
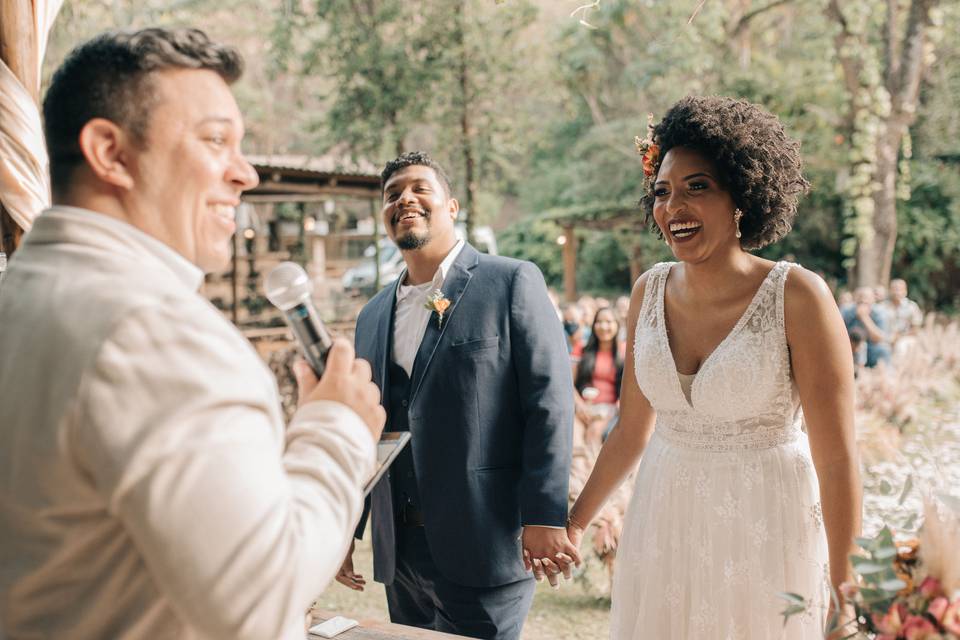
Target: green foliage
(553,106)
(536,241)
(603,264)
(928,239)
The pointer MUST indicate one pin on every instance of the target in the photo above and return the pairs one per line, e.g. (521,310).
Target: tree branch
(912,64)
(750,15)
(850,67)
(891,46)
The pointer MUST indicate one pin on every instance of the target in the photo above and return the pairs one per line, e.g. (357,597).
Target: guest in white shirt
(905,316)
(150,488)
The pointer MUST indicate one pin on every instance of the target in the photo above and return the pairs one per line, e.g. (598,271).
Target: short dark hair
(760,165)
(414,158)
(109,77)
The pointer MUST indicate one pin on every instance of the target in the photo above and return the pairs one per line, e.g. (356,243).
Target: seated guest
(870,319)
(845,300)
(904,314)
(572,318)
(150,488)
(858,345)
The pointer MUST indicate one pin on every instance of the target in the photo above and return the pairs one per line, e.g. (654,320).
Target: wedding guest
(150,488)
(845,300)
(601,370)
(905,316)
(858,345)
(622,306)
(871,319)
(572,318)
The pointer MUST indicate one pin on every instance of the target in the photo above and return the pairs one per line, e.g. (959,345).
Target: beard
(411,241)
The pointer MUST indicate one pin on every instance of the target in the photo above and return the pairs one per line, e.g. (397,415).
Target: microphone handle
(311,333)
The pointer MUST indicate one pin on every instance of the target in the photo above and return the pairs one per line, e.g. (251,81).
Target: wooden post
(376,244)
(569,264)
(18,38)
(18,51)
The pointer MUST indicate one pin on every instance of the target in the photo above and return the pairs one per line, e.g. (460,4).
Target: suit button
(404,403)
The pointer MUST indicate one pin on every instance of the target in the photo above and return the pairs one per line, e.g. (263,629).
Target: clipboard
(388,448)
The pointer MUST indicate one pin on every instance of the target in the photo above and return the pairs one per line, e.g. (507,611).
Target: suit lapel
(384,339)
(453,289)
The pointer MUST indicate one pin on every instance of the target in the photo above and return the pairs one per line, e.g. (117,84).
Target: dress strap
(653,293)
(781,270)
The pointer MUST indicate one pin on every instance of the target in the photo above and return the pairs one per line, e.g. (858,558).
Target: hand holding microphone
(343,378)
(288,288)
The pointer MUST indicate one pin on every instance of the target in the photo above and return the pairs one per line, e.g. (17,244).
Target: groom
(482,381)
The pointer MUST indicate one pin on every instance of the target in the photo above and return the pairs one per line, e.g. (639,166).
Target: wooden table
(380,630)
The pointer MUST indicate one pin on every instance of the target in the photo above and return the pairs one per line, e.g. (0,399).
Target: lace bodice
(743,396)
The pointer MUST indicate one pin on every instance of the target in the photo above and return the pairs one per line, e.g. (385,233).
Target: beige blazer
(148,486)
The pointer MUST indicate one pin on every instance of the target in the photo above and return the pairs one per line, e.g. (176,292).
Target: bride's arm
(823,368)
(626,442)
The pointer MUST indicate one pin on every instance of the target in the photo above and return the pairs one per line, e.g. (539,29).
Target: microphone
(288,288)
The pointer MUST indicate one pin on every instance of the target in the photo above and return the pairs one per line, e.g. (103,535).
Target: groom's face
(417,208)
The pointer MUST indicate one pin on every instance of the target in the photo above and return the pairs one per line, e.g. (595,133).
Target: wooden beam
(569,264)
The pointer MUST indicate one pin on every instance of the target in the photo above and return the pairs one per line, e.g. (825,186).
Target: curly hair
(414,158)
(758,163)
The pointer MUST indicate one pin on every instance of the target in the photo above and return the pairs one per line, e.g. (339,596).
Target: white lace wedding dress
(726,512)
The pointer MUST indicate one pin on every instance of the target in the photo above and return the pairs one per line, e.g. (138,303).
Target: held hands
(346,380)
(549,552)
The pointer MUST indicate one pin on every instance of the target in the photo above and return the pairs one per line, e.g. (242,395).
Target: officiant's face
(417,209)
(188,177)
(691,206)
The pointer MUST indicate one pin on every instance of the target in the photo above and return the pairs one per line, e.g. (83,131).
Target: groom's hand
(346,576)
(548,552)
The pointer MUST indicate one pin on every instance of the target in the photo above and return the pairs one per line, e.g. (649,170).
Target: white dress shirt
(149,488)
(411,316)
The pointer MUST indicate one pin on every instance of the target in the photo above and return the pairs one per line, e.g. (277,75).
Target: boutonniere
(438,303)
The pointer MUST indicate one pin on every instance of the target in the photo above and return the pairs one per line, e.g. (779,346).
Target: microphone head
(287,285)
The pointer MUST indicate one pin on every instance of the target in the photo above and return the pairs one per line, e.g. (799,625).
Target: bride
(740,494)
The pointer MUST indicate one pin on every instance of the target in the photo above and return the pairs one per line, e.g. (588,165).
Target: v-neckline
(703,365)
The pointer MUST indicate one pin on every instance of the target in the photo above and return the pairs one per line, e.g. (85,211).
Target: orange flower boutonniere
(438,303)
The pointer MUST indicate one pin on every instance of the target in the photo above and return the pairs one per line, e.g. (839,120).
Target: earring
(737,214)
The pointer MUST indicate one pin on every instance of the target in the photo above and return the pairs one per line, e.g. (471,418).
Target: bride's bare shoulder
(806,297)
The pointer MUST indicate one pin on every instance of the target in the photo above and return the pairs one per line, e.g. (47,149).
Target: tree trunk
(904,64)
(469,201)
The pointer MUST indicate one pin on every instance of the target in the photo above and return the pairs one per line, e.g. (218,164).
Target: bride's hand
(574,532)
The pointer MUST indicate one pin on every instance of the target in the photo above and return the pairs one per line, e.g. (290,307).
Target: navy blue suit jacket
(491,419)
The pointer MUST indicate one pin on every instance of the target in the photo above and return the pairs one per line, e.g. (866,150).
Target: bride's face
(691,207)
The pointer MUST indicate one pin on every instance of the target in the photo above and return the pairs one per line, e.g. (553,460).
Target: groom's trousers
(421,597)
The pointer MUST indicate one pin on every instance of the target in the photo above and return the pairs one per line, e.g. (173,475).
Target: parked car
(362,277)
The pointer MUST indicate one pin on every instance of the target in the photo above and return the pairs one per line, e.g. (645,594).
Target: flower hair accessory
(650,154)
(438,303)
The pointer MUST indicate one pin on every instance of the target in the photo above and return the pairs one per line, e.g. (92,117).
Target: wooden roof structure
(300,178)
